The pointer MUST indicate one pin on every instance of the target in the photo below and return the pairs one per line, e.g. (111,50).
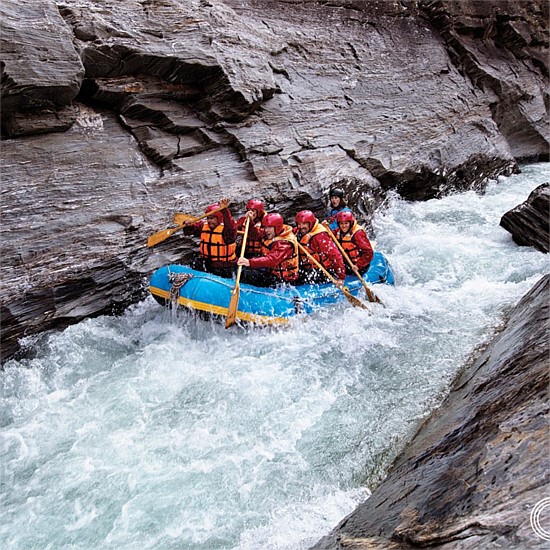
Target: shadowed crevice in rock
(420,183)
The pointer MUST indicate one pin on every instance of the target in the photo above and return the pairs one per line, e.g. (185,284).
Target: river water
(161,431)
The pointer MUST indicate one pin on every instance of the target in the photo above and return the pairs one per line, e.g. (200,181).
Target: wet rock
(474,471)
(503,48)
(41,69)
(137,109)
(529,223)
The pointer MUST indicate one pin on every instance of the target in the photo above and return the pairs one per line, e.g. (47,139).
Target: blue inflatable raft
(180,285)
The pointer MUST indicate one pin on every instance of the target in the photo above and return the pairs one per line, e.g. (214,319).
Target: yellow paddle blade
(180,218)
(233,305)
(162,235)
(165,233)
(353,300)
(370,294)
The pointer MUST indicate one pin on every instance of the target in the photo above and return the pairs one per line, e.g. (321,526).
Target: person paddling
(354,241)
(279,262)
(217,249)
(312,235)
(255,211)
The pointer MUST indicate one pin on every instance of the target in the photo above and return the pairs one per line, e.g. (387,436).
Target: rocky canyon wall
(475,471)
(117,114)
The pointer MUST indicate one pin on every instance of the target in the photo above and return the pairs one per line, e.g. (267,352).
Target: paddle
(179,217)
(234,303)
(182,218)
(165,233)
(351,299)
(370,294)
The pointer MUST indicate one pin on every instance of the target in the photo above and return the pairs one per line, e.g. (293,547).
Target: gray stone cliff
(114,115)
(117,114)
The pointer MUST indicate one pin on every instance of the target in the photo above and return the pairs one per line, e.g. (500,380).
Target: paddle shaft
(352,299)
(243,248)
(370,294)
(235,294)
(181,218)
(165,233)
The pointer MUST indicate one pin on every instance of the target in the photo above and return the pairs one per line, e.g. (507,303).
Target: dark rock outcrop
(529,223)
(41,70)
(472,474)
(115,115)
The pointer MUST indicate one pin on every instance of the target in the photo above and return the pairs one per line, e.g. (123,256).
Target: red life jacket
(287,270)
(323,259)
(347,242)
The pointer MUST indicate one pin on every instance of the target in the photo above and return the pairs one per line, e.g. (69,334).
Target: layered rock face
(474,472)
(529,223)
(116,114)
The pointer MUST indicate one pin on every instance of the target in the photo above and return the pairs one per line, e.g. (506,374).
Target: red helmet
(273,220)
(218,215)
(306,216)
(345,216)
(254,204)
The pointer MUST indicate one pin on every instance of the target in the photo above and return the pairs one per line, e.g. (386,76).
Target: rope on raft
(177,280)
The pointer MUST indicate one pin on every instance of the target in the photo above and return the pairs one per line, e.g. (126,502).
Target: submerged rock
(529,223)
(474,471)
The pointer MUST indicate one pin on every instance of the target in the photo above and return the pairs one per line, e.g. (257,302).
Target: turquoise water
(155,431)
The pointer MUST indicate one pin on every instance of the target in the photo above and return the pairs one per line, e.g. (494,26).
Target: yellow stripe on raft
(218,310)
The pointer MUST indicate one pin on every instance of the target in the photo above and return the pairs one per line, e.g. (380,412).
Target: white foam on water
(155,430)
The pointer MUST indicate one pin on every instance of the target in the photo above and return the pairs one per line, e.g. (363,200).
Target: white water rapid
(150,431)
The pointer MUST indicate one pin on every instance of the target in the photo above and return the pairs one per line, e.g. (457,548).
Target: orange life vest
(323,259)
(213,247)
(287,270)
(347,243)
